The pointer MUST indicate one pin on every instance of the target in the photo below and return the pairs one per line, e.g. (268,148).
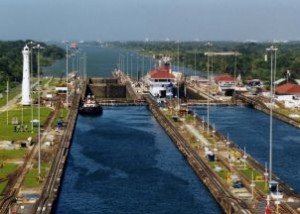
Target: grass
(2,186)
(12,154)
(248,173)
(7,169)
(56,81)
(12,93)
(31,179)
(7,131)
(62,114)
(223,173)
(260,184)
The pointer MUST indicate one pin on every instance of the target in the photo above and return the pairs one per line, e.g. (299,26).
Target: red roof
(288,88)
(161,73)
(224,78)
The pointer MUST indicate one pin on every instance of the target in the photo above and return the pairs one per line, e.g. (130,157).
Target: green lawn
(7,131)
(12,93)
(2,186)
(7,169)
(223,173)
(31,179)
(62,114)
(248,173)
(12,154)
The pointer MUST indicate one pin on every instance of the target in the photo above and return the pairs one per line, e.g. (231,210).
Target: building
(288,89)
(225,82)
(161,81)
(289,95)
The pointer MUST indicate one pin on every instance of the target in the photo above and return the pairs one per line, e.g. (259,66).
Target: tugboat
(90,107)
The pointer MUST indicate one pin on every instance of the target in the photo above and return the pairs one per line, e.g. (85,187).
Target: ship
(90,107)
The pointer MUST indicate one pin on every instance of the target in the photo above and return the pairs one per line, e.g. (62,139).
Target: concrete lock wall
(108,91)
(103,81)
(193,95)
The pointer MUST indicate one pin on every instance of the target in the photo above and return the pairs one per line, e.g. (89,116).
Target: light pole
(127,64)
(130,66)
(245,158)
(208,84)
(252,185)
(39,47)
(195,61)
(31,43)
(273,52)
(137,68)
(7,91)
(67,73)
(178,58)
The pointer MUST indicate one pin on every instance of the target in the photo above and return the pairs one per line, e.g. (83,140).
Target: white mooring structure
(26,78)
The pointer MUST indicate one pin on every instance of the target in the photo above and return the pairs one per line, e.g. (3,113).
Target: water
(101,61)
(250,128)
(123,162)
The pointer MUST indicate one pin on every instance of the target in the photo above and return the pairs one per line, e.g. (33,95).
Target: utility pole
(39,47)
(177,76)
(67,73)
(31,82)
(208,84)
(273,52)
(7,91)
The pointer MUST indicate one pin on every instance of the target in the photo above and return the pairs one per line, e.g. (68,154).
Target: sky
(111,20)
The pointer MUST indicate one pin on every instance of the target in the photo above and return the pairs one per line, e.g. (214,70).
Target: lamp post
(127,64)
(227,145)
(178,57)
(245,158)
(208,84)
(131,65)
(252,185)
(137,68)
(30,45)
(7,91)
(39,47)
(67,72)
(273,52)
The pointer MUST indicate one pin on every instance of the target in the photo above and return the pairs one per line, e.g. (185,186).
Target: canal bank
(130,168)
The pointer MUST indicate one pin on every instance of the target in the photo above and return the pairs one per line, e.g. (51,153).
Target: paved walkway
(198,135)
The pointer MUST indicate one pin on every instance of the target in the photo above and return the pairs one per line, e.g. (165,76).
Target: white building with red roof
(161,81)
(225,82)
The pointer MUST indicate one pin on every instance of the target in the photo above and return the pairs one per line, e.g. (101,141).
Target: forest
(11,60)
(250,64)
